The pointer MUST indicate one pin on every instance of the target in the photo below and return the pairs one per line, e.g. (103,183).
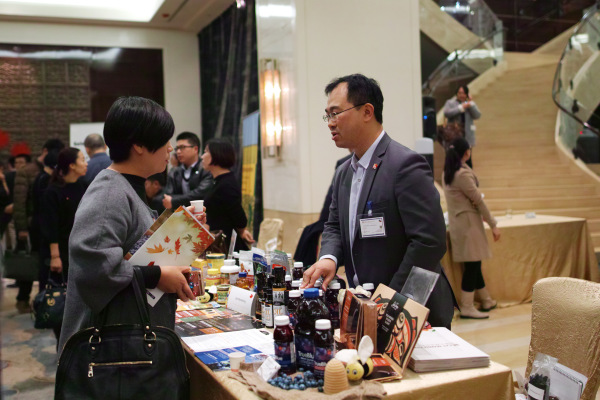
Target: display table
(528,250)
(493,382)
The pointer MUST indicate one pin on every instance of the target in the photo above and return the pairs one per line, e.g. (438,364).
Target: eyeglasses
(333,115)
(181,148)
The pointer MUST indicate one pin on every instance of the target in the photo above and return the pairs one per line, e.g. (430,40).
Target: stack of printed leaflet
(197,319)
(439,349)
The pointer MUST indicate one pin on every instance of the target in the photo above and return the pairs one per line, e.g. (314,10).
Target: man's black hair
(53,145)
(160,178)
(192,139)
(361,90)
(136,120)
(222,152)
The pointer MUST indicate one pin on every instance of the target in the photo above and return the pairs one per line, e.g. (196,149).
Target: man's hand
(246,236)
(56,264)
(172,280)
(323,268)
(167,201)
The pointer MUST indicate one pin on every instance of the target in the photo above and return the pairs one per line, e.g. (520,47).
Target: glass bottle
(283,336)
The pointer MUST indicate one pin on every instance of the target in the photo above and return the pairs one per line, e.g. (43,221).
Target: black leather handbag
(22,263)
(137,361)
(49,306)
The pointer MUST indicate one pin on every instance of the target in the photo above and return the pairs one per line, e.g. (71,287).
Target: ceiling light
(113,10)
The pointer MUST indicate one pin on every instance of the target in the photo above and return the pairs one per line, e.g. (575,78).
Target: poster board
(79,131)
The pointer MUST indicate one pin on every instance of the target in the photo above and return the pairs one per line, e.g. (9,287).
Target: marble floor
(28,356)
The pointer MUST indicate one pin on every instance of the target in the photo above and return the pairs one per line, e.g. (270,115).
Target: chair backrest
(565,324)
(270,235)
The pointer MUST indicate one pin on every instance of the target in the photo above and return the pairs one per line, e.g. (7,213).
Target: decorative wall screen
(40,98)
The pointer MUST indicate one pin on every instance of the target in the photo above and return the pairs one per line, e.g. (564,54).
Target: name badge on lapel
(372,225)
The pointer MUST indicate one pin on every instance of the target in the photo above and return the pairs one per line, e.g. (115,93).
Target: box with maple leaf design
(176,238)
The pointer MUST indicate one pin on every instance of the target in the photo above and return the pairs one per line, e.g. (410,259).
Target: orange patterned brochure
(177,239)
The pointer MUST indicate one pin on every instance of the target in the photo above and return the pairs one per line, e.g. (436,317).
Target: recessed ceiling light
(113,10)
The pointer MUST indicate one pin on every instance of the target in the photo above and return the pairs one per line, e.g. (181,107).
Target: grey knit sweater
(110,219)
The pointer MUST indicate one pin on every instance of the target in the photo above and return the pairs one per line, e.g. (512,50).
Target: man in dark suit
(385,215)
(189,181)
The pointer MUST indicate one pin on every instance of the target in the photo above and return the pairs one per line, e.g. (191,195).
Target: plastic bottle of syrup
(324,347)
(285,353)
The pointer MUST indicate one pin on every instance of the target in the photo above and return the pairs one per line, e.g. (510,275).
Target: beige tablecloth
(493,382)
(531,249)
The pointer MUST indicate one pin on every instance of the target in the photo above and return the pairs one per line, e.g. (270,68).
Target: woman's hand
(201,218)
(55,264)
(172,280)
(496,233)
(247,236)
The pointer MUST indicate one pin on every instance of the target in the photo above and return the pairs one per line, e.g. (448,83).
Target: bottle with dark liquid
(283,336)
(323,342)
(267,310)
(279,289)
(310,310)
(332,303)
(292,307)
(298,271)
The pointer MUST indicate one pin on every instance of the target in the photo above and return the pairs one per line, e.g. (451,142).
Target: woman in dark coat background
(223,203)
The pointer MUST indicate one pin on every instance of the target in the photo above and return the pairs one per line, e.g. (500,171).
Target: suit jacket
(201,181)
(399,184)
(97,163)
(453,113)
(465,210)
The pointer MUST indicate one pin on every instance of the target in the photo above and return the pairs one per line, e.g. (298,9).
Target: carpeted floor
(28,356)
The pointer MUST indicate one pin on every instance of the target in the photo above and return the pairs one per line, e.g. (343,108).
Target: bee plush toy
(358,362)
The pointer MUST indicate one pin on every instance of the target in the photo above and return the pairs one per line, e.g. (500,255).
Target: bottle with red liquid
(332,303)
(324,347)
(298,271)
(285,354)
(310,310)
(292,307)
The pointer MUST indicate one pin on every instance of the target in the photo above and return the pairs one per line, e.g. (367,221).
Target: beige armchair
(270,234)
(565,324)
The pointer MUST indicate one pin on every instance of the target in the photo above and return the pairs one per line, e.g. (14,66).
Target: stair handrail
(453,59)
(557,84)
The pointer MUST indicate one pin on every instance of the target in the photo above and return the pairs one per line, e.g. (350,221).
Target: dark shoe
(23,307)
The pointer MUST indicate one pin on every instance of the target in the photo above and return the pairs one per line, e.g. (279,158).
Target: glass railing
(576,88)
(475,15)
(462,66)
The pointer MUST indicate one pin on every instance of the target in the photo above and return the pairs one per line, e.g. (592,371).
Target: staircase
(519,166)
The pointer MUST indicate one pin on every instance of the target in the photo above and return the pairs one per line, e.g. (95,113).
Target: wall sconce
(270,96)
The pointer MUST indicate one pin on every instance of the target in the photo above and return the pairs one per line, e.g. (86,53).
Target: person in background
(462,109)
(154,191)
(113,217)
(466,209)
(57,210)
(224,201)
(96,151)
(189,181)
(38,191)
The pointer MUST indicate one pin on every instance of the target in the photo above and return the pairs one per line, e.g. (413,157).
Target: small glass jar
(215,260)
(213,277)
(222,294)
(242,281)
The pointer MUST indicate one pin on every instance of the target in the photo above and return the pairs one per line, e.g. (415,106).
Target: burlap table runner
(364,390)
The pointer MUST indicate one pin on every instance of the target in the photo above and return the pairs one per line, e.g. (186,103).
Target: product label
(304,352)
(279,311)
(293,319)
(267,315)
(285,354)
(321,358)
(279,295)
(535,392)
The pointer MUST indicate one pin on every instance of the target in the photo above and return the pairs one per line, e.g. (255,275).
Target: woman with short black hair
(112,218)
(466,209)
(224,201)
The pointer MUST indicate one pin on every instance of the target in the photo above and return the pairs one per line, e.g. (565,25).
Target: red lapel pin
(375,166)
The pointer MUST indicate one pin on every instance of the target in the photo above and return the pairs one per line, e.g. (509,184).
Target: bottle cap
(289,255)
(288,278)
(213,271)
(243,274)
(230,269)
(311,293)
(282,320)
(294,293)
(236,254)
(368,286)
(323,324)
(320,293)
(296,283)
(298,264)
(318,284)
(334,285)
(229,262)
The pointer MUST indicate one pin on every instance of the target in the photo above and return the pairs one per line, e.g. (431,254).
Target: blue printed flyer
(218,360)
